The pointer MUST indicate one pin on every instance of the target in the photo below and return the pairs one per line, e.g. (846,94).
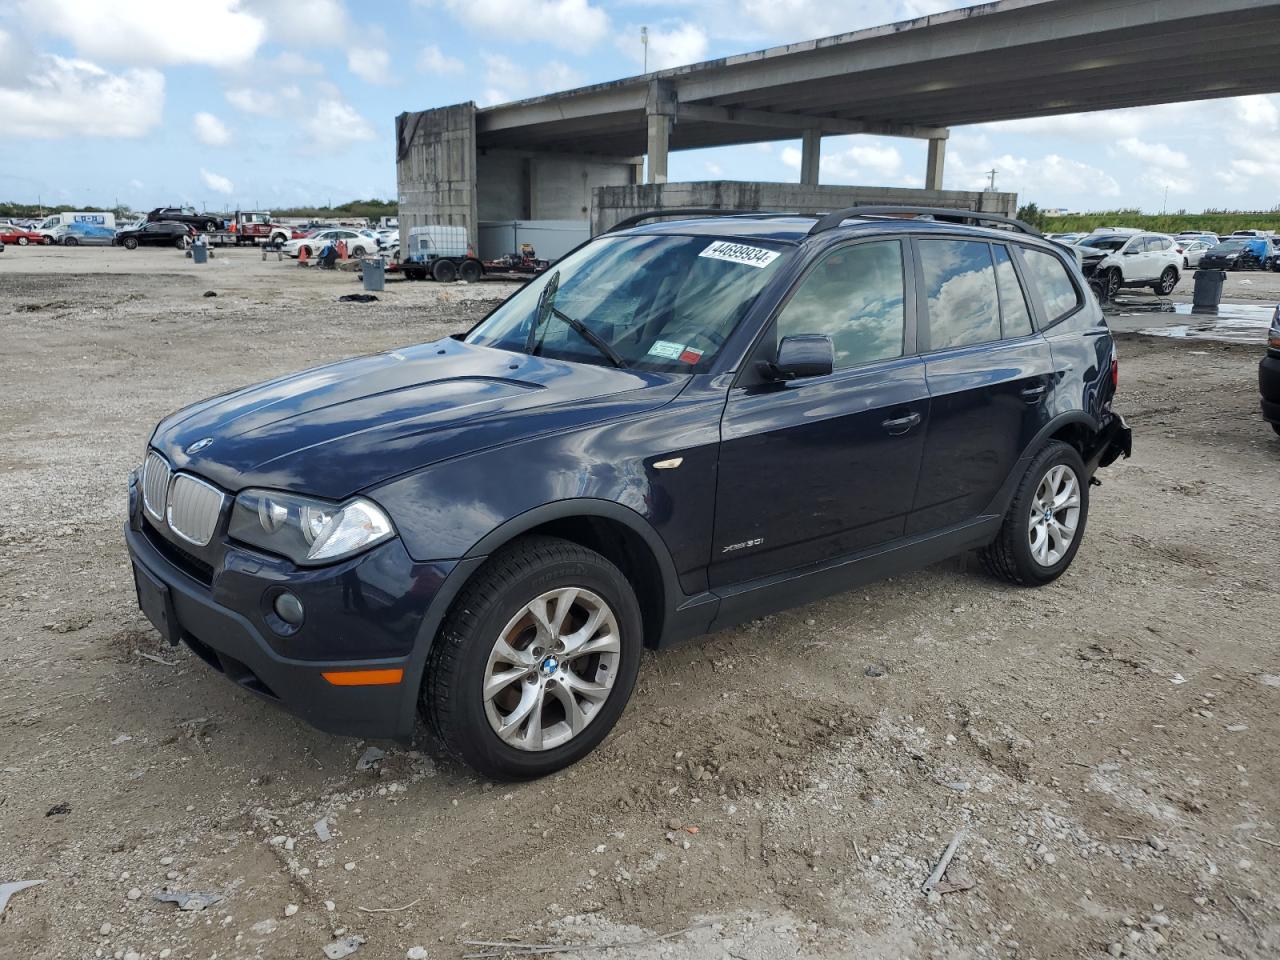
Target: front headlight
(306,530)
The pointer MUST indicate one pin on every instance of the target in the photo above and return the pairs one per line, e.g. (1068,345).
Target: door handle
(901,425)
(1032,394)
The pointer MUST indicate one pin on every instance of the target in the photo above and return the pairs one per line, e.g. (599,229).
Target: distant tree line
(372,209)
(1221,222)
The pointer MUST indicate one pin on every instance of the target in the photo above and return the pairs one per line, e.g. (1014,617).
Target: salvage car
(21,236)
(1269,375)
(1242,253)
(682,425)
(1122,259)
(160,234)
(188,215)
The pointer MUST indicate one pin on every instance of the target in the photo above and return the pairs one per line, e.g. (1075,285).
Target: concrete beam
(811,156)
(660,110)
(706,113)
(934,165)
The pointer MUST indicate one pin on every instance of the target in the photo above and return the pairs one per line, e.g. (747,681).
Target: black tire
(23,241)
(1276,427)
(1168,280)
(1111,287)
(130,243)
(180,243)
(451,697)
(470,271)
(210,226)
(1009,556)
(415,273)
(443,271)
(357,253)
(69,241)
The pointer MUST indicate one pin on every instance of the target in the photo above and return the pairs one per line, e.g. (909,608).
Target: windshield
(663,303)
(1231,246)
(1104,242)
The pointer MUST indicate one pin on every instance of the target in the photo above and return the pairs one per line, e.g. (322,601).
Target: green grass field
(1219,222)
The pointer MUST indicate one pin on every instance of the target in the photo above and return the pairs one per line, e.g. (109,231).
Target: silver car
(1192,251)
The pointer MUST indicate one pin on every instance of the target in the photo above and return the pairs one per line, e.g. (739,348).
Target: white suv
(1115,260)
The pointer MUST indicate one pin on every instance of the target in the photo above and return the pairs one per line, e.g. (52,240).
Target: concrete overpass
(997,61)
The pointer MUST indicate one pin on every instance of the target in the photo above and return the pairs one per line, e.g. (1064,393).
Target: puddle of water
(1234,323)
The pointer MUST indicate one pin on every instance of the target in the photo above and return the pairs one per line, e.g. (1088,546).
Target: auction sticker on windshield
(740,253)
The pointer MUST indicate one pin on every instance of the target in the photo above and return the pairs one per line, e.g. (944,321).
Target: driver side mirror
(809,355)
(1131,251)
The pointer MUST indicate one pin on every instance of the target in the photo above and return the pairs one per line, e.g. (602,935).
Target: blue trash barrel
(374,271)
(199,253)
(1208,290)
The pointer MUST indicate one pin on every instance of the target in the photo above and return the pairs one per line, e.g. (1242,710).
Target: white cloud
(676,46)
(152,32)
(1154,154)
(263,103)
(15,59)
(64,97)
(312,23)
(370,64)
(210,130)
(337,124)
(217,182)
(1258,111)
(572,24)
(433,60)
(865,163)
(1044,179)
(508,80)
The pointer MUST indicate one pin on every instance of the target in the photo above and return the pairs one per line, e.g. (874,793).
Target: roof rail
(832,220)
(687,212)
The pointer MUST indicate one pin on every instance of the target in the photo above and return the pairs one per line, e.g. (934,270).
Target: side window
(960,284)
(1015,318)
(854,295)
(1050,277)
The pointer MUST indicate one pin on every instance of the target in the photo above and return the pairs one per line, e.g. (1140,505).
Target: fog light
(289,609)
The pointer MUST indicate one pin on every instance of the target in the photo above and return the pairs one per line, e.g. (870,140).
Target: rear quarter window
(1057,290)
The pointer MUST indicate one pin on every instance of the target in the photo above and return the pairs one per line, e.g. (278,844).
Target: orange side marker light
(363,678)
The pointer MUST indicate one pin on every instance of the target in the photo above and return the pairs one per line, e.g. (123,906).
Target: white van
(74,228)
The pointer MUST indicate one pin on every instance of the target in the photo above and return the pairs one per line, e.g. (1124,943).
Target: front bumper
(375,612)
(1269,386)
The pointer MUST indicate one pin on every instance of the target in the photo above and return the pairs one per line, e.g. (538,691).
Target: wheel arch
(617,533)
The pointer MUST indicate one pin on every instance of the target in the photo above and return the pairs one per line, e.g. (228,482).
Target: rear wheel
(70,241)
(535,661)
(180,243)
(210,225)
(470,271)
(1045,522)
(444,271)
(1168,280)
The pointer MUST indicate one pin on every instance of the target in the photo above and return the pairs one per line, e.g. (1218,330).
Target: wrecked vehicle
(680,426)
(1269,375)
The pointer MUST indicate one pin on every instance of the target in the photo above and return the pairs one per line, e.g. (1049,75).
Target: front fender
(469,505)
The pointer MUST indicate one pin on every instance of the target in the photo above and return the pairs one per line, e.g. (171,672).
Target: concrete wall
(530,185)
(611,204)
(436,168)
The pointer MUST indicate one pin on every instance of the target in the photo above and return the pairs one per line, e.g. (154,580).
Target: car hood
(338,429)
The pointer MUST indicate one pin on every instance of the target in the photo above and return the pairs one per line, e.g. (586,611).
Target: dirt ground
(1106,745)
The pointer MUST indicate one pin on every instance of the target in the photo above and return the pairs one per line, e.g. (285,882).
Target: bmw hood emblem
(199,445)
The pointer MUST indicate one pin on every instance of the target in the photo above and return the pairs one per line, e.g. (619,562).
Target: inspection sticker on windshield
(666,349)
(740,253)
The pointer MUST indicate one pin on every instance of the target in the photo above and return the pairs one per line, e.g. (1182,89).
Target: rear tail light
(1273,335)
(1115,372)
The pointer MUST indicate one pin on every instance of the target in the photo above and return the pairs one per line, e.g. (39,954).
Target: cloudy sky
(273,103)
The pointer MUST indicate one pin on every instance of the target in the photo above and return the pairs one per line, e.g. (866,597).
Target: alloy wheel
(551,669)
(1055,515)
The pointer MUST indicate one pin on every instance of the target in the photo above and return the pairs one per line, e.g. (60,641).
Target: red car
(21,237)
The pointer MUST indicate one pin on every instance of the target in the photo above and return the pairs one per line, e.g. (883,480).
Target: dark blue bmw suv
(681,425)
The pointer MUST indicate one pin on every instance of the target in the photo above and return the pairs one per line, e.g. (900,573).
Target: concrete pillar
(935,163)
(659,136)
(660,112)
(810,156)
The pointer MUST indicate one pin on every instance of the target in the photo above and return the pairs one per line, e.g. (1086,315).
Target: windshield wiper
(586,333)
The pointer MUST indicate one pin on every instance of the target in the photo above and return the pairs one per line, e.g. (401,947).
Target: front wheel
(535,661)
(1168,280)
(131,243)
(210,226)
(23,241)
(1112,286)
(1045,522)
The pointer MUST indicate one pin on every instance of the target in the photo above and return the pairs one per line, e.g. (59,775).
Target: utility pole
(991,179)
(644,42)
(1164,203)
